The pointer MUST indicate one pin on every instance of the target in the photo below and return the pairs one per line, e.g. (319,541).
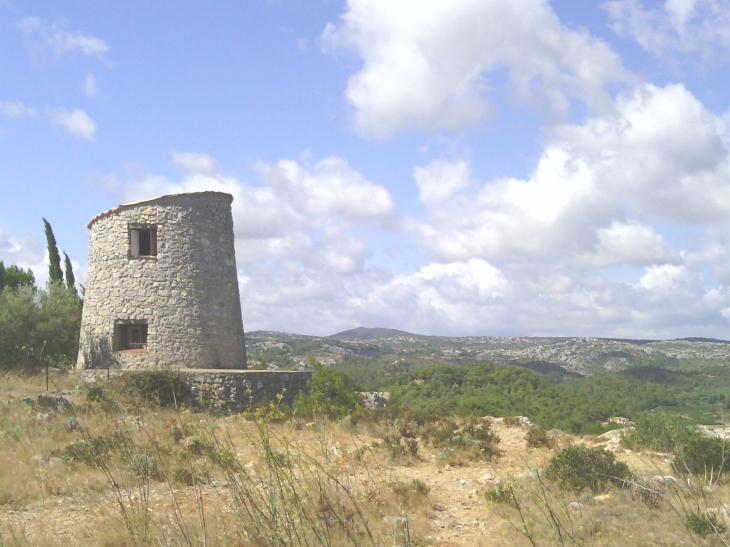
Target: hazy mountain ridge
(584,356)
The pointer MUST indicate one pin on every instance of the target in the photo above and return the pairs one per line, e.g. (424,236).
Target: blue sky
(472,167)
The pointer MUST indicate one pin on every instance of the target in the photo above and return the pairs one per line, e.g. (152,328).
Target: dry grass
(186,478)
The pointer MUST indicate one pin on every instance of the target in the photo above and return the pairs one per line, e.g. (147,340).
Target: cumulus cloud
(590,243)
(507,256)
(76,121)
(52,41)
(659,156)
(331,186)
(686,26)
(90,85)
(426,64)
(24,252)
(17,110)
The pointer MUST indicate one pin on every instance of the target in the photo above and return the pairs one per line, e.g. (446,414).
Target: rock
(53,402)
(437,507)
(375,399)
(575,506)
(602,497)
(614,434)
(486,478)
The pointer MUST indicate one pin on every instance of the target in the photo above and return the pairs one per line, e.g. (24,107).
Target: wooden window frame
(130,336)
(137,230)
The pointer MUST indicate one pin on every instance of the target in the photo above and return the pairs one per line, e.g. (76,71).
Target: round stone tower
(162,288)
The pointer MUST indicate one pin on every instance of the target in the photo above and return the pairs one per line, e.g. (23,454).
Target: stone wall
(228,390)
(186,296)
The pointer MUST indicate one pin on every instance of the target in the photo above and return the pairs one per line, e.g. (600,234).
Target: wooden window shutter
(153,242)
(134,242)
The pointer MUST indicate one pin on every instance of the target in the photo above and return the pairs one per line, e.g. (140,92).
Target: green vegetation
(331,393)
(497,391)
(55,274)
(13,277)
(38,327)
(628,396)
(579,468)
(695,454)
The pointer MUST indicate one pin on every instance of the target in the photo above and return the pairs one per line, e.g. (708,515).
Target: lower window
(130,336)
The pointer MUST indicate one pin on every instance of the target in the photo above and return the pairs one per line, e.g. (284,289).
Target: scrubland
(120,469)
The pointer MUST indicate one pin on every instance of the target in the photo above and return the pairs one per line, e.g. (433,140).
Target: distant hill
(364,332)
(699,339)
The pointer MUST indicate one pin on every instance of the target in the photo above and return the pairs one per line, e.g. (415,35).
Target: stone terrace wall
(230,390)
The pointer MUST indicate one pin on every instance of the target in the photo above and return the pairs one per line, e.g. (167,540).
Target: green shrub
(420,487)
(144,467)
(399,447)
(703,525)
(500,494)
(164,388)
(579,468)
(660,432)
(331,393)
(449,436)
(707,456)
(694,453)
(536,437)
(90,452)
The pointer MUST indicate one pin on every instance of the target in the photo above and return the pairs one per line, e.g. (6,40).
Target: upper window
(142,241)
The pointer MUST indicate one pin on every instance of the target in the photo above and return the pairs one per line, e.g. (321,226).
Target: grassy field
(118,470)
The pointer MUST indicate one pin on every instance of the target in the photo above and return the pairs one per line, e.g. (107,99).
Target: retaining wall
(226,390)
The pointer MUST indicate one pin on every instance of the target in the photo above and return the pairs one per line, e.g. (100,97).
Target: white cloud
(90,85)
(195,163)
(630,243)
(24,252)
(16,109)
(426,63)
(686,26)
(53,41)
(331,187)
(590,243)
(76,122)
(440,179)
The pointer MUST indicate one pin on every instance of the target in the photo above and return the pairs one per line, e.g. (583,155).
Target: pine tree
(55,274)
(70,279)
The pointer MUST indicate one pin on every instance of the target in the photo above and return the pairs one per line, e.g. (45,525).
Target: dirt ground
(454,513)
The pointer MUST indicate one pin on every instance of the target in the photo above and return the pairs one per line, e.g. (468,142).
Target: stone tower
(162,288)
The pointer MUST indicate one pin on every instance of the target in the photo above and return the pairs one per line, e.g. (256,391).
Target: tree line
(39,326)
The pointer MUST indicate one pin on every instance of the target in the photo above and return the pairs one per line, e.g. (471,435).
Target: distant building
(162,287)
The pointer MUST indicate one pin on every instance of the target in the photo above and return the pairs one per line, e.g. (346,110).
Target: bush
(452,438)
(579,468)
(703,525)
(695,453)
(536,437)
(163,388)
(703,456)
(500,494)
(660,432)
(39,327)
(91,451)
(331,393)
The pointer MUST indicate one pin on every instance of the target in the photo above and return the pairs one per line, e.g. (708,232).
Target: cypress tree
(55,274)
(70,279)
(2,275)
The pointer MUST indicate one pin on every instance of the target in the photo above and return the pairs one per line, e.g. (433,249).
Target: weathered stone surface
(232,390)
(187,294)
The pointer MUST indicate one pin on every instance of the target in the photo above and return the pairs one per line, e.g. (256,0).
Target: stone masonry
(162,287)
(228,390)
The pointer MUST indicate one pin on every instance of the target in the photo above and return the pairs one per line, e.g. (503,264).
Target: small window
(142,242)
(130,336)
